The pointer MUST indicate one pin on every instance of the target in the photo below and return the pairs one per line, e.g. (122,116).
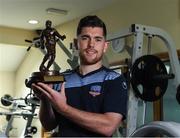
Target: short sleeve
(115,96)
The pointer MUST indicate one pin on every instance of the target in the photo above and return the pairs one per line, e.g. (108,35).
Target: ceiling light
(56,11)
(33,21)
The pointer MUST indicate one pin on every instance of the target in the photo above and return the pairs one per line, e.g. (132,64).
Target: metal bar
(30,118)
(133,100)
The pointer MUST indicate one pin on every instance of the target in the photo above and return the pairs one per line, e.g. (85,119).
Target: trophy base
(45,77)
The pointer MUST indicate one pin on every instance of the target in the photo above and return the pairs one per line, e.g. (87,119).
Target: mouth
(90,51)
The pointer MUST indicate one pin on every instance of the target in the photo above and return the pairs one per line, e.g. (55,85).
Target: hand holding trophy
(48,39)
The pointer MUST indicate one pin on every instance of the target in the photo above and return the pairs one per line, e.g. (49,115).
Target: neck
(85,69)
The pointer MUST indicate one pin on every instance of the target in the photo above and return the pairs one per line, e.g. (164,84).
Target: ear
(75,43)
(106,45)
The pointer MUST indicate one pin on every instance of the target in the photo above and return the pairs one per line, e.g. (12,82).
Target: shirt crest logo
(124,85)
(95,90)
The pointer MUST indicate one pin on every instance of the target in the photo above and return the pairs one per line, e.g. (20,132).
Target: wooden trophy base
(45,77)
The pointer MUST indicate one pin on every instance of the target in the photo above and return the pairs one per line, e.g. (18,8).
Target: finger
(48,89)
(41,91)
(50,85)
(36,91)
(63,89)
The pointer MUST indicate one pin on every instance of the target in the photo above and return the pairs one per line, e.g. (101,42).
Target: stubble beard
(85,61)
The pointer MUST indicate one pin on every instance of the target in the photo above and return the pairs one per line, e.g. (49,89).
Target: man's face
(91,45)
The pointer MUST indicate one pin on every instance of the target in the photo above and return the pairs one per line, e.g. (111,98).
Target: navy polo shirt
(99,91)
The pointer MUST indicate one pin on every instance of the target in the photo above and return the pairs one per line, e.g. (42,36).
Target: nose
(91,42)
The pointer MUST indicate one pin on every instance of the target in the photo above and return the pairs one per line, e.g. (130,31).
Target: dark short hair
(91,21)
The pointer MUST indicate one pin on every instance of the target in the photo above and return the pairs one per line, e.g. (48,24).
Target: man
(48,39)
(93,100)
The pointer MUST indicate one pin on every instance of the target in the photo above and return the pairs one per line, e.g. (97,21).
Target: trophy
(48,38)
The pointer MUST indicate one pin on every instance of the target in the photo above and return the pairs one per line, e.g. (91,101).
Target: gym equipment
(178,94)
(72,57)
(158,129)
(32,129)
(10,119)
(6,100)
(24,114)
(138,32)
(149,78)
(118,45)
(35,42)
(31,101)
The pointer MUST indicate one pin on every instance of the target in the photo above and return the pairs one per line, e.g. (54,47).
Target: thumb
(63,89)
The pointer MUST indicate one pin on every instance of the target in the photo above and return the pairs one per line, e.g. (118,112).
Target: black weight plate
(144,80)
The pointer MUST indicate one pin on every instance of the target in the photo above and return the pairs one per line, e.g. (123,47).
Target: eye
(84,38)
(98,39)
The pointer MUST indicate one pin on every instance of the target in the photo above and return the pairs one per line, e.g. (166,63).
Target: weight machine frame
(28,116)
(139,31)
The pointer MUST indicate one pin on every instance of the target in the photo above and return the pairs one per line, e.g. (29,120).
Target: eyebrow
(97,37)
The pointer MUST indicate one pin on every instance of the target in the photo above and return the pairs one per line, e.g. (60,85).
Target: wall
(7,82)
(15,36)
